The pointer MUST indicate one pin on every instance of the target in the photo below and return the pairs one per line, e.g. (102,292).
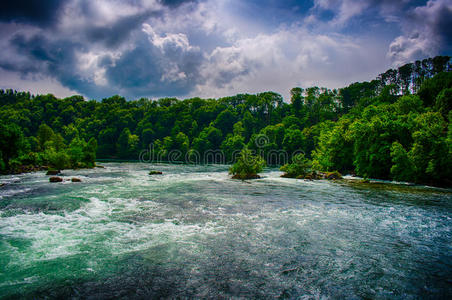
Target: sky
(210,49)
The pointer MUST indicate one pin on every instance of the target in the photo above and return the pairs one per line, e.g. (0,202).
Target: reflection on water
(193,232)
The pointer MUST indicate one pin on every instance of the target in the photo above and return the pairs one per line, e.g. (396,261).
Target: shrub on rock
(333,175)
(153,172)
(298,168)
(247,166)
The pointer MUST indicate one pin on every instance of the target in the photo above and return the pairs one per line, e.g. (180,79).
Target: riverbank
(30,169)
(324,175)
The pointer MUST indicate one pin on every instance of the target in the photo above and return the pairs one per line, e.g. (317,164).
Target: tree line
(394,127)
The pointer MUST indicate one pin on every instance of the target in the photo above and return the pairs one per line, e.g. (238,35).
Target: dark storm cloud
(438,21)
(169,70)
(31,11)
(40,55)
(54,58)
(113,35)
(144,69)
(427,32)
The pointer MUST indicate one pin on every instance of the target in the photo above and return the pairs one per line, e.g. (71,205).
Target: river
(194,232)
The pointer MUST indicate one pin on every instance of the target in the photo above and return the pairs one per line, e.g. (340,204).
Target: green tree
(89,153)
(209,139)
(59,160)
(296,100)
(238,128)
(250,124)
(373,135)
(353,127)
(443,102)
(225,121)
(107,142)
(429,153)
(334,150)
(76,152)
(402,168)
(247,165)
(181,143)
(232,145)
(123,143)
(11,143)
(45,134)
(293,141)
(147,137)
(58,142)
(433,86)
(70,132)
(407,104)
(127,145)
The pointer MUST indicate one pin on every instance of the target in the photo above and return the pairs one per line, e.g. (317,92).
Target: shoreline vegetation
(396,127)
(47,151)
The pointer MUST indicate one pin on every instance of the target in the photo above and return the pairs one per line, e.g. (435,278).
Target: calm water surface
(193,232)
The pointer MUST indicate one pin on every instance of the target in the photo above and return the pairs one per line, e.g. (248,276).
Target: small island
(301,168)
(247,166)
(154,172)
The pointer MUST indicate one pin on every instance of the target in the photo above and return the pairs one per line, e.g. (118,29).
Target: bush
(59,160)
(247,165)
(14,164)
(31,158)
(333,175)
(298,168)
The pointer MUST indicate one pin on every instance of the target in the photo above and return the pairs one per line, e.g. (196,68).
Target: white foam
(11,192)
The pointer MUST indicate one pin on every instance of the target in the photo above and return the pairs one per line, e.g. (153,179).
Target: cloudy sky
(211,48)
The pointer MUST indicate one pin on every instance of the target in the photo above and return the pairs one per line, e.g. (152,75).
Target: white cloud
(408,48)
(170,40)
(288,58)
(90,67)
(171,45)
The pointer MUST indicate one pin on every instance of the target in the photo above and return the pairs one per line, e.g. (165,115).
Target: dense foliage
(19,153)
(396,126)
(299,167)
(247,166)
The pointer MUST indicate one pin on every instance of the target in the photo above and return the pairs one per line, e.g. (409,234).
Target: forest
(395,127)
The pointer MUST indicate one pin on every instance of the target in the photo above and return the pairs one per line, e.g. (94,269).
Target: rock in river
(55,179)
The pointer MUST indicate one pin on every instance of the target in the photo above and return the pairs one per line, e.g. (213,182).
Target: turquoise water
(193,232)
